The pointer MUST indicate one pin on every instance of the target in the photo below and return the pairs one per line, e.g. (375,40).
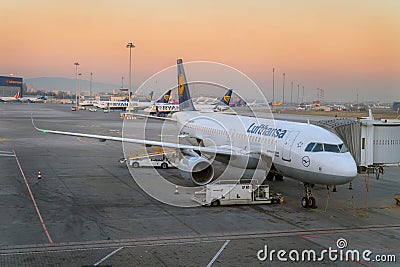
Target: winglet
(36,128)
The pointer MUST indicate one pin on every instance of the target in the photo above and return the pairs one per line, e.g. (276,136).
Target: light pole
(273,85)
(283,90)
(76,84)
(79,87)
(298,93)
(90,90)
(291,95)
(302,98)
(130,46)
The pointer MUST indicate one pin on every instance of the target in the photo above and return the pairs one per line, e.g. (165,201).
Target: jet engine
(197,169)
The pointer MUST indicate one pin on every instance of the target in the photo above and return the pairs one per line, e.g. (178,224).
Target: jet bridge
(373,143)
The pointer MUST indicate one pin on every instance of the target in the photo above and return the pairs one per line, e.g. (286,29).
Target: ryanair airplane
(123,104)
(301,151)
(162,108)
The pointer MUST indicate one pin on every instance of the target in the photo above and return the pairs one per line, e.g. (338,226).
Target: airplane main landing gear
(309,200)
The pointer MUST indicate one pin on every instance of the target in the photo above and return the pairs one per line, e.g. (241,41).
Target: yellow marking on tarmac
(4,139)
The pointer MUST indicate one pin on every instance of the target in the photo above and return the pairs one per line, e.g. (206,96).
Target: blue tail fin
(165,97)
(226,98)
(185,101)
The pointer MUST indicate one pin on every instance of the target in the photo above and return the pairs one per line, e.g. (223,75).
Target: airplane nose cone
(346,169)
(349,167)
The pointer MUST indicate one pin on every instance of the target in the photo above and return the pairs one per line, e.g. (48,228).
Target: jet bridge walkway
(373,143)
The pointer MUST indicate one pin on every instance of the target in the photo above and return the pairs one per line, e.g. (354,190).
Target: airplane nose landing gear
(308,201)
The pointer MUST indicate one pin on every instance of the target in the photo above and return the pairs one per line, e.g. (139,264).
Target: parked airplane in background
(277,104)
(33,99)
(301,151)
(148,98)
(14,98)
(219,105)
(124,104)
(163,108)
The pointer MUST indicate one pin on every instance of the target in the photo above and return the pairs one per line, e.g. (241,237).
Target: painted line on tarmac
(106,257)
(33,200)
(218,253)
(6,155)
(177,240)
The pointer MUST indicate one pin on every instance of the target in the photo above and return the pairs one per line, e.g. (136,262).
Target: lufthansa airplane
(301,151)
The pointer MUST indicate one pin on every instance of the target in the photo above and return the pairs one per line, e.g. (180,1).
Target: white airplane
(301,151)
(33,99)
(15,98)
(87,103)
(215,104)
(123,104)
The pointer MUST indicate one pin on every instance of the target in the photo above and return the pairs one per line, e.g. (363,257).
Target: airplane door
(287,145)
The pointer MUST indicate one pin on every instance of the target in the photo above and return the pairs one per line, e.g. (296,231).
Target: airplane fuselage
(284,141)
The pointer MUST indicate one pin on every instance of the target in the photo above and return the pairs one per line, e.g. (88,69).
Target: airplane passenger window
(309,147)
(318,148)
(331,148)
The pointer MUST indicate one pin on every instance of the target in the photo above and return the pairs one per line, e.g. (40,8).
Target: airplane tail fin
(165,97)
(226,98)
(150,96)
(17,95)
(185,101)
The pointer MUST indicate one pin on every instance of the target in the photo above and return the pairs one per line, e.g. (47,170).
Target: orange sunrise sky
(345,47)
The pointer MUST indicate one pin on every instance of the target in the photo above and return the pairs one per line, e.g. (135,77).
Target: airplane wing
(155,117)
(225,150)
(104,138)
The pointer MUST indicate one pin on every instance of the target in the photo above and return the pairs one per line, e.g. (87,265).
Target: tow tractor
(397,198)
(226,192)
(165,160)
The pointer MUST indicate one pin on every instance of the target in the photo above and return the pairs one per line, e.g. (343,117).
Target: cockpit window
(331,148)
(343,148)
(318,148)
(309,147)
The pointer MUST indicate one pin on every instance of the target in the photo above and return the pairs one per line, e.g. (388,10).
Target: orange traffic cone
(176,190)
(39,175)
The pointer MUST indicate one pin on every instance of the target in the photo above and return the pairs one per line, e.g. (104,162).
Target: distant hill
(65,84)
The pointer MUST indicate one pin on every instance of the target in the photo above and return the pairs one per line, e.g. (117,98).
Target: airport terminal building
(9,86)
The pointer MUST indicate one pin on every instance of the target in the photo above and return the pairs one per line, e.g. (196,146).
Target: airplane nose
(348,167)
(346,170)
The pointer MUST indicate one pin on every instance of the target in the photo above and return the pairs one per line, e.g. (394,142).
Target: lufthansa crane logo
(306,161)
(181,86)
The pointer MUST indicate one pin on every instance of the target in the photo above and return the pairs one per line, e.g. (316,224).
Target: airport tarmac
(93,213)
